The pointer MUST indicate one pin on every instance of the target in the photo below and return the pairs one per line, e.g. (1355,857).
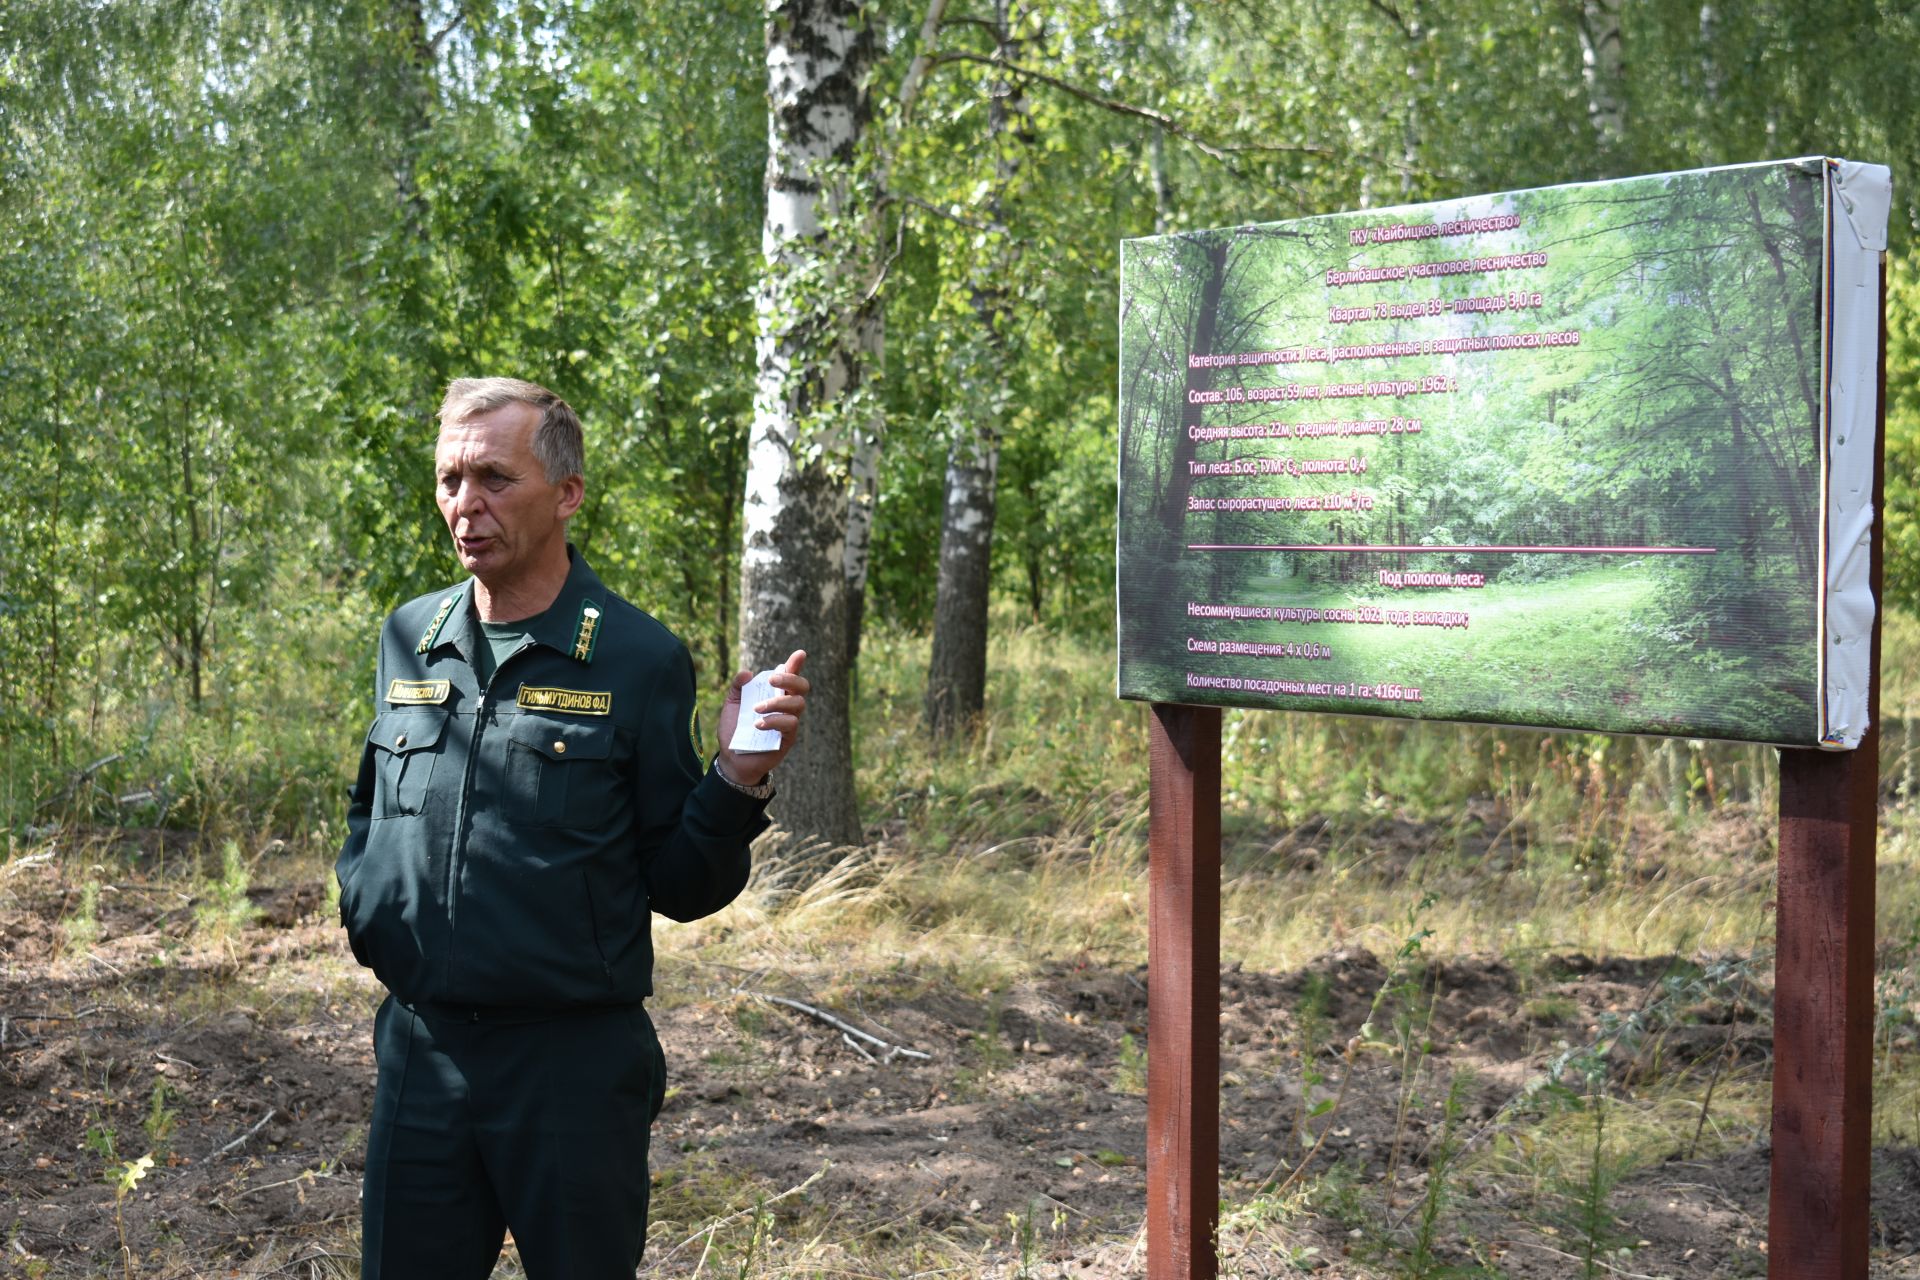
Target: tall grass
(1027,839)
(267,753)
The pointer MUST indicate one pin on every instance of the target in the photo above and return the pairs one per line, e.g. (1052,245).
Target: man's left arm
(700,861)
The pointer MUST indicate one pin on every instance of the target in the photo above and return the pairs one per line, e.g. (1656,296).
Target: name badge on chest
(575,701)
(418,693)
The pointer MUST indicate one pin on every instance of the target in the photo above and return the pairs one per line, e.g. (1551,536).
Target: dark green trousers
(484,1122)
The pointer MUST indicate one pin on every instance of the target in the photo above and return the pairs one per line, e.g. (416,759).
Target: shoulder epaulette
(586,632)
(434,628)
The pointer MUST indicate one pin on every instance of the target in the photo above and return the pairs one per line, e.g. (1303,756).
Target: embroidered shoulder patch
(693,731)
(418,693)
(586,631)
(432,633)
(541,698)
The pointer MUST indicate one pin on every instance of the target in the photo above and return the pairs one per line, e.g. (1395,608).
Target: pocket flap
(407,731)
(563,740)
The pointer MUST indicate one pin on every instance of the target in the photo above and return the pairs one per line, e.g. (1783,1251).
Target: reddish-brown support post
(1183,994)
(1823,1015)
(1823,985)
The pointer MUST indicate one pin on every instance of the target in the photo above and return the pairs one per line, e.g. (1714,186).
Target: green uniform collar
(571,624)
(449,621)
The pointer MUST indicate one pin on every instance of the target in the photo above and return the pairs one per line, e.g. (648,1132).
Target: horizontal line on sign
(1348,546)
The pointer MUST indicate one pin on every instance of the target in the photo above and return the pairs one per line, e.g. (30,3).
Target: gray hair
(557,443)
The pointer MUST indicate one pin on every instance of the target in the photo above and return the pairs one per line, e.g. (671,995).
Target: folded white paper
(745,736)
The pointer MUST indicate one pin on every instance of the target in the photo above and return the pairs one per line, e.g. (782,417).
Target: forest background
(244,246)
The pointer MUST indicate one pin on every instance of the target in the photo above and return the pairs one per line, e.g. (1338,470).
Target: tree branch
(936,210)
(459,16)
(1224,154)
(889,150)
(916,77)
(1393,15)
(880,276)
(845,1028)
(258,1125)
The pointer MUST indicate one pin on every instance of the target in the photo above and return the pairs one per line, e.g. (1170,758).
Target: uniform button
(559,748)
(400,741)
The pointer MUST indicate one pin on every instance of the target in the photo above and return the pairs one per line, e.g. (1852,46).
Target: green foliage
(1312,1029)
(1584,1197)
(161,1117)
(225,908)
(124,1180)
(1130,1073)
(988,1047)
(102,1141)
(1902,536)
(1421,1262)
(242,248)
(82,928)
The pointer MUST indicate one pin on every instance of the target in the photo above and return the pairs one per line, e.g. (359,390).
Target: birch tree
(1603,68)
(870,339)
(793,571)
(957,671)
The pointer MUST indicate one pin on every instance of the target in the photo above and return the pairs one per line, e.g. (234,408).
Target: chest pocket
(407,743)
(562,772)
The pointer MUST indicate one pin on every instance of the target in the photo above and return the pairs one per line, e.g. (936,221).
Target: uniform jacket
(506,844)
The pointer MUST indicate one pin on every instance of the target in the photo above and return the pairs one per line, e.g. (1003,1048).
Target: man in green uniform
(531,789)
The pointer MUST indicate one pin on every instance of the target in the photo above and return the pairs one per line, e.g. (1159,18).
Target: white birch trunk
(863,469)
(957,669)
(793,586)
(863,491)
(1603,68)
(1710,78)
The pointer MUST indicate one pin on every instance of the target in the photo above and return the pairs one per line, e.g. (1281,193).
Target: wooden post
(1183,994)
(1823,1016)
(1823,983)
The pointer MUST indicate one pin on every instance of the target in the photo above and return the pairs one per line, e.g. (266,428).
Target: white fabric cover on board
(1861,195)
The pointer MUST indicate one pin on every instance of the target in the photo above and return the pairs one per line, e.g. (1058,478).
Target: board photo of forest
(1573,434)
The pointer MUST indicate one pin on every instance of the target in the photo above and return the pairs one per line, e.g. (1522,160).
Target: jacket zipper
(459,852)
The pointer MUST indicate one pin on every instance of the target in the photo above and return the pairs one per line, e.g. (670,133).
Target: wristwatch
(762,790)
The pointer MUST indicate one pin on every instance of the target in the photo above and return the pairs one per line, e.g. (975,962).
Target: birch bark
(863,491)
(1603,68)
(793,572)
(957,671)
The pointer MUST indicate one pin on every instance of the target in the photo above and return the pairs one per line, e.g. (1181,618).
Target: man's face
(507,520)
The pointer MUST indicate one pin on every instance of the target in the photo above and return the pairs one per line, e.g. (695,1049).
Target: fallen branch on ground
(847,1030)
(258,1125)
(75,1016)
(8,1019)
(74,783)
(305,1175)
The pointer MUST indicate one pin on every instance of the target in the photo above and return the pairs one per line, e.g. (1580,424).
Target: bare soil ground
(243,1060)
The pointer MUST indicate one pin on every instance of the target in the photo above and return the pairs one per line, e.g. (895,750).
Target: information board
(1583,457)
